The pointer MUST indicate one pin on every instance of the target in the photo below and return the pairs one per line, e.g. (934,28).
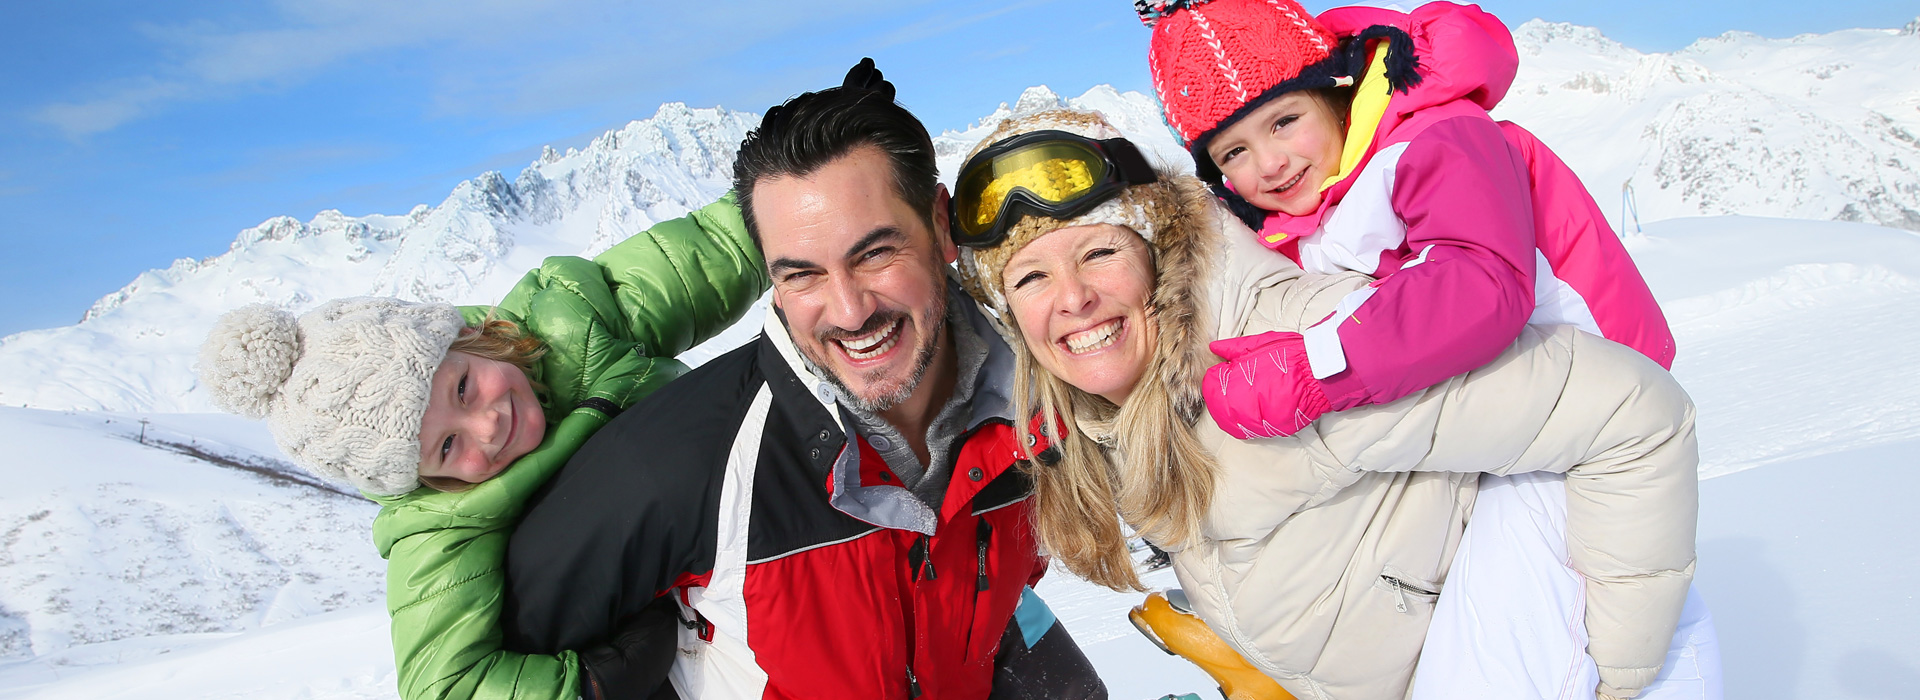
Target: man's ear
(943,224)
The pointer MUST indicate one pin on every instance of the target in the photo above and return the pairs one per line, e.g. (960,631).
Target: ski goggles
(1043,173)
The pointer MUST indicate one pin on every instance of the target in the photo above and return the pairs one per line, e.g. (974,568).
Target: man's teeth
(874,344)
(1093,338)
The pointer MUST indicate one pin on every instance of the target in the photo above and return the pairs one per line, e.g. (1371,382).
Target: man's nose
(849,304)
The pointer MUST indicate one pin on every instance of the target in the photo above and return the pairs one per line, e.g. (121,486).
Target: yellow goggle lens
(1053,179)
(1052,172)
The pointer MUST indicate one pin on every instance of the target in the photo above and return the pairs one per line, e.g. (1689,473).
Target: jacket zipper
(985,532)
(913,684)
(1400,589)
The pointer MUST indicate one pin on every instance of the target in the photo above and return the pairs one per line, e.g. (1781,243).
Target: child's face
(1278,156)
(481,416)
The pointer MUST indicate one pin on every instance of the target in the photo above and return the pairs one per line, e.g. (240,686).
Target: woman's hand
(1265,388)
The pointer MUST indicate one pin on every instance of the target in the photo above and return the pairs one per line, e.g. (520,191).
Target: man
(835,505)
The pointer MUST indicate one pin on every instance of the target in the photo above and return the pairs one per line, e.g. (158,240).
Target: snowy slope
(1795,339)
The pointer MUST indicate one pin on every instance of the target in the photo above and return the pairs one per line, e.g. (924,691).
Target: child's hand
(1265,388)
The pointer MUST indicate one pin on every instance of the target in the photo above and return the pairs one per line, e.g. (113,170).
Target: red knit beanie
(1211,58)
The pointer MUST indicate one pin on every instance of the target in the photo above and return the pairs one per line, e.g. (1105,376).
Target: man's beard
(922,360)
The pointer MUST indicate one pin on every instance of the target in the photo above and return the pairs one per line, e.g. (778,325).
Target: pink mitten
(1265,388)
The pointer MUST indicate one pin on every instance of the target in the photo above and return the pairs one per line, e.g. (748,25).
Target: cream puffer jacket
(1323,553)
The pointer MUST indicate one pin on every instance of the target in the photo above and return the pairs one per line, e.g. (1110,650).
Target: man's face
(857,275)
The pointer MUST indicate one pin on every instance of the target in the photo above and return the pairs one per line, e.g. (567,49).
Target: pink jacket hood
(1466,55)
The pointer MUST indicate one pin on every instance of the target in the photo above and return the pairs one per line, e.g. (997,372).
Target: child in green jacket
(482,405)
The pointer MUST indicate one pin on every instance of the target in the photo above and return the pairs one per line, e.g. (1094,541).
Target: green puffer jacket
(612,326)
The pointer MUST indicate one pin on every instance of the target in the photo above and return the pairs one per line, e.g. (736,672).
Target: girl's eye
(1224,157)
(446,448)
(1283,122)
(462,389)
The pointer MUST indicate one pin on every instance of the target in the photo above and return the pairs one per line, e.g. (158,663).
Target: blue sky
(133,133)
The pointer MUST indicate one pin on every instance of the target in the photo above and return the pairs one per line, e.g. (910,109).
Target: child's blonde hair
(499,340)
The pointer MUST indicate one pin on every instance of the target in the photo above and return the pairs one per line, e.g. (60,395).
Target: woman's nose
(1075,295)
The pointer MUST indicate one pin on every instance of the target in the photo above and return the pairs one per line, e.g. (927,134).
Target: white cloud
(514,55)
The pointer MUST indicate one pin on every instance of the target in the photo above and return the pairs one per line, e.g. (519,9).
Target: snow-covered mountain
(1814,127)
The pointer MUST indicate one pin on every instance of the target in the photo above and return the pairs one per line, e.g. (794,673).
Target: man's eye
(875,254)
(800,276)
(446,448)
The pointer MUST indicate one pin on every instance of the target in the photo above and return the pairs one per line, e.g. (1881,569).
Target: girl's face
(1079,295)
(481,416)
(1278,156)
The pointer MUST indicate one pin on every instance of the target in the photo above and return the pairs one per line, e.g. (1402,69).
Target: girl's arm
(1452,307)
(683,281)
(1464,296)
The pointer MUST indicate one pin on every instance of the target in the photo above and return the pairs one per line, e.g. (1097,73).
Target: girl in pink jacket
(1360,140)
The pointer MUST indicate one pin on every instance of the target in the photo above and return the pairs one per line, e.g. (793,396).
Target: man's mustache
(880,319)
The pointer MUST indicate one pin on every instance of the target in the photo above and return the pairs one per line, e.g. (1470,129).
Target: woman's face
(1079,295)
(1278,156)
(481,416)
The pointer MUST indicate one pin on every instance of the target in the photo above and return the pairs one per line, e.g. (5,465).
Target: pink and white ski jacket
(1473,228)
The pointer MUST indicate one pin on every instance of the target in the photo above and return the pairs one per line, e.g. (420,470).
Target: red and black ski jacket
(803,567)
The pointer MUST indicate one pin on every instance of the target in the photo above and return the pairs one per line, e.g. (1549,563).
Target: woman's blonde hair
(499,340)
(1146,463)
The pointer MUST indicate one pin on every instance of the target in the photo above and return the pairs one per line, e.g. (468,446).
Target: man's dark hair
(805,133)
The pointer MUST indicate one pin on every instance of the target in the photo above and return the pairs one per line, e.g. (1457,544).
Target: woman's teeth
(1093,338)
(874,344)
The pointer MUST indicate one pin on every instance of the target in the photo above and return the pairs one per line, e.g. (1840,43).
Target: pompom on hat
(343,387)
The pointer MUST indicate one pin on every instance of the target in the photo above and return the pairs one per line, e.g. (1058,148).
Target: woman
(1318,556)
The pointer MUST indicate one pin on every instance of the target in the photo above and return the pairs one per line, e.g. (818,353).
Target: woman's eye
(446,448)
(1098,253)
(1031,276)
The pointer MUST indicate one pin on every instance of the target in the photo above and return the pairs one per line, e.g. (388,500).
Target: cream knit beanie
(343,388)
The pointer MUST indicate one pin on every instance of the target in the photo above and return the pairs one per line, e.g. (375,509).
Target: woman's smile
(1095,338)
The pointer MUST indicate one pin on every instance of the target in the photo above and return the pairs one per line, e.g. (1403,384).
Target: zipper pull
(913,684)
(917,555)
(1400,594)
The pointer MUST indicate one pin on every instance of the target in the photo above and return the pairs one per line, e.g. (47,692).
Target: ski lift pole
(1628,208)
